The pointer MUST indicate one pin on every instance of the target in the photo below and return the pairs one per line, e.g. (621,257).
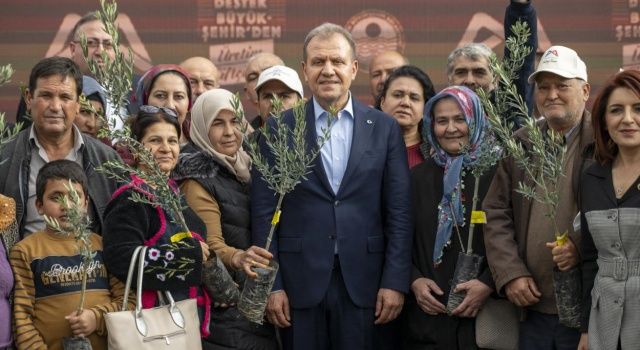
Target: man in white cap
(519,238)
(276,82)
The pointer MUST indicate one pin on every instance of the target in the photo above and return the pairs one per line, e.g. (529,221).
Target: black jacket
(15,166)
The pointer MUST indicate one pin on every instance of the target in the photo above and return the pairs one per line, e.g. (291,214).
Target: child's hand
(83,325)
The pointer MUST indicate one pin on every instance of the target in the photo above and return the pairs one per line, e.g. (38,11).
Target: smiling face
(224,133)
(404,101)
(560,100)
(170,90)
(329,70)
(450,126)
(56,189)
(622,118)
(162,140)
(54,105)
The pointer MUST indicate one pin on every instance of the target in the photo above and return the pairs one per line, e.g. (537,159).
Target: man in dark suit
(344,239)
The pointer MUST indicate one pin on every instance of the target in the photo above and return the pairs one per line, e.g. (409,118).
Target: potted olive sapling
(115,76)
(291,159)
(77,226)
(541,157)
(468,264)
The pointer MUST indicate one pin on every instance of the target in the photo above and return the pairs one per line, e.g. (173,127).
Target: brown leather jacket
(508,211)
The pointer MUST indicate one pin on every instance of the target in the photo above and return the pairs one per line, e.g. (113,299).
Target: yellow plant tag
(276,217)
(562,239)
(180,236)
(478,217)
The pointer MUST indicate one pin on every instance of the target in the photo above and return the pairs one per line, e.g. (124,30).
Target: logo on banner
(481,22)
(374,32)
(141,59)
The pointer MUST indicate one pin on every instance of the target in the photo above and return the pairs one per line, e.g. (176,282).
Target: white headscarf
(204,111)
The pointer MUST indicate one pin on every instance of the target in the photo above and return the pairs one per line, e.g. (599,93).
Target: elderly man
(276,82)
(203,75)
(381,66)
(469,65)
(55,84)
(344,240)
(519,238)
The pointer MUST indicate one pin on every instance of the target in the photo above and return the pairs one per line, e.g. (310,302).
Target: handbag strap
(141,325)
(127,286)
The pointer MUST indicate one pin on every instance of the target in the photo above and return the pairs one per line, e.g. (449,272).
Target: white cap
(561,61)
(286,75)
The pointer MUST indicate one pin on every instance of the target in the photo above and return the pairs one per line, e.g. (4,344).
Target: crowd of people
(369,240)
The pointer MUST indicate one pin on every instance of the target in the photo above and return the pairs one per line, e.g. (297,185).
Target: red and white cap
(561,61)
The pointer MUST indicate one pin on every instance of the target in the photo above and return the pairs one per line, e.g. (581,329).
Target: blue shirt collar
(318,110)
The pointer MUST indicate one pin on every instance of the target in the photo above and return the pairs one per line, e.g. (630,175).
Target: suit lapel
(363,126)
(312,145)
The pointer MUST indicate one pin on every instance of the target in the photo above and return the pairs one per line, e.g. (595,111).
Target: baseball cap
(561,61)
(286,75)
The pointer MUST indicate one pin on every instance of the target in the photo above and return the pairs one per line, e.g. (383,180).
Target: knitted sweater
(47,288)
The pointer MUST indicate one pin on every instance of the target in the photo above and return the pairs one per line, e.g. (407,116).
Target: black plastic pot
(467,268)
(568,290)
(255,293)
(76,343)
(219,283)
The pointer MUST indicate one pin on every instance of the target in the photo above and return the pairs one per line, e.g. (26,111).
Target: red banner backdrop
(606,33)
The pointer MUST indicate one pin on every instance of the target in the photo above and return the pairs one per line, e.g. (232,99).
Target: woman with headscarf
(455,126)
(216,181)
(167,85)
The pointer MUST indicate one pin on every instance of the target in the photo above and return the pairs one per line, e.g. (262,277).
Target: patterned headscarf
(451,205)
(206,109)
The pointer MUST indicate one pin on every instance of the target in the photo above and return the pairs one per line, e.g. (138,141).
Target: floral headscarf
(206,109)
(451,205)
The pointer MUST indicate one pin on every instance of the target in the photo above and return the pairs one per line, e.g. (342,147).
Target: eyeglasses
(153,110)
(94,43)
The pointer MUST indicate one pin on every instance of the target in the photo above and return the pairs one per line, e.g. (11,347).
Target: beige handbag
(498,325)
(172,326)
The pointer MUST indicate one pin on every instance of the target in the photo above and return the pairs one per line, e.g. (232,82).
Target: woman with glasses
(175,254)
(167,85)
(215,182)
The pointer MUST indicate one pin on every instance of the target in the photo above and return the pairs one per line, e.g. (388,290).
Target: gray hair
(88,17)
(325,31)
(473,51)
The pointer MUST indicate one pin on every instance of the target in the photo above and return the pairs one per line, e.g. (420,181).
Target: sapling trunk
(83,288)
(472,225)
(274,221)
